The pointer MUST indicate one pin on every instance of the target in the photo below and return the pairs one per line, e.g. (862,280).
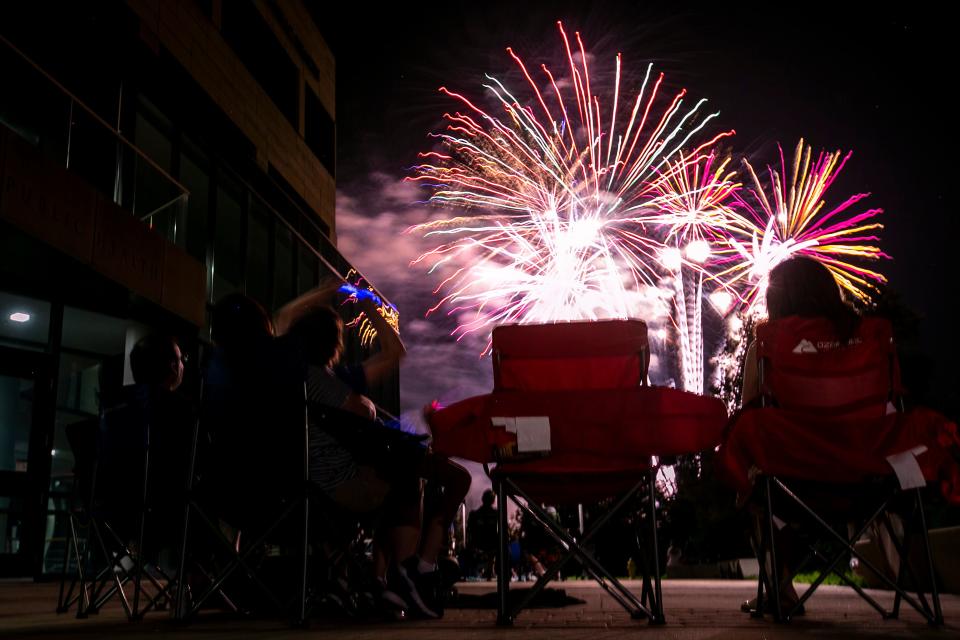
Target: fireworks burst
(558,195)
(791,221)
(581,205)
(788,220)
(691,205)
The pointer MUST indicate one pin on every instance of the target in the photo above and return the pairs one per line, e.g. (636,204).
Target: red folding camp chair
(572,420)
(819,451)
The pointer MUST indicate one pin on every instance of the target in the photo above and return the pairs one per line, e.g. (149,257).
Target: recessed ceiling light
(20,317)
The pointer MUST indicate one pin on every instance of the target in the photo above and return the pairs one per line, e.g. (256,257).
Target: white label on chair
(908,471)
(509,423)
(533,433)
(805,346)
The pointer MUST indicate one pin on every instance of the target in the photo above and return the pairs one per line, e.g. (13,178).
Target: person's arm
(323,387)
(751,376)
(360,405)
(287,315)
(391,347)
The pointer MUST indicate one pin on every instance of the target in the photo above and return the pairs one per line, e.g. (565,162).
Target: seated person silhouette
(796,287)
(351,472)
(149,417)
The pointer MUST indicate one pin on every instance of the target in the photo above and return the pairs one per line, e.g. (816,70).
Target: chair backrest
(82,437)
(607,354)
(804,367)
(122,440)
(253,428)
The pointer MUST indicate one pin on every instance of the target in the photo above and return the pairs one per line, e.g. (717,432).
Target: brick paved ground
(694,609)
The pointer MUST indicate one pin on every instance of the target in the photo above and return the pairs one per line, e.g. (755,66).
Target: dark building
(154,155)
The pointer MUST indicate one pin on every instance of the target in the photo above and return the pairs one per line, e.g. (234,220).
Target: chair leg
(114,561)
(300,618)
(774,574)
(181,606)
(503,557)
(575,549)
(903,551)
(934,591)
(917,603)
(62,601)
(138,568)
(657,608)
(757,540)
(239,559)
(83,602)
(646,589)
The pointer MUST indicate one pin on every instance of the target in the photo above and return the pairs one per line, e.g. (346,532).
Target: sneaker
(337,593)
(387,604)
(419,590)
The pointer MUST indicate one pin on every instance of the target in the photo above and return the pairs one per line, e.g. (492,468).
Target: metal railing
(38,108)
(71,133)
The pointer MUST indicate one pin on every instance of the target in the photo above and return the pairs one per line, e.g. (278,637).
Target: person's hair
(804,287)
(488,497)
(152,359)
(237,320)
(320,334)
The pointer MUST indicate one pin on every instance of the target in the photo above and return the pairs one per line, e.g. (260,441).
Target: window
(292,205)
(228,242)
(306,270)
(283,285)
(264,57)
(195,176)
(319,131)
(258,253)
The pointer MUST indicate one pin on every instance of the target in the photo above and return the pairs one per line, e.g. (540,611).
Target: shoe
(420,590)
(337,591)
(750,606)
(387,604)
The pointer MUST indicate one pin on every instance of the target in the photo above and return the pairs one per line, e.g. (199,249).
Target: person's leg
(396,538)
(399,532)
(416,568)
(449,484)
(363,494)
(788,552)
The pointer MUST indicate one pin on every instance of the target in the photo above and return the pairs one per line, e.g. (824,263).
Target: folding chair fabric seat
(835,417)
(604,432)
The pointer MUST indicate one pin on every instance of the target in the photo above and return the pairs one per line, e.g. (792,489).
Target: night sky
(874,81)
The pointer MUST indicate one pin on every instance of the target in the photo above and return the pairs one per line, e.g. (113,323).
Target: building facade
(154,156)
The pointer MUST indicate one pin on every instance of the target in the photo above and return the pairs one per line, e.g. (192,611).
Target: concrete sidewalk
(694,609)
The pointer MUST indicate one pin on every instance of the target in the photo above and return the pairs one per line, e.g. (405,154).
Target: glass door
(25,384)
